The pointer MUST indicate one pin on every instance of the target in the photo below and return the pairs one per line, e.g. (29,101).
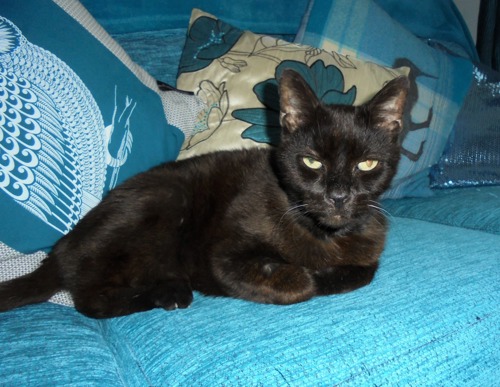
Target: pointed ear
(387,107)
(297,100)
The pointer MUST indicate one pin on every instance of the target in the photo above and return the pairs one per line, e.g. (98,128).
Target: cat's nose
(338,199)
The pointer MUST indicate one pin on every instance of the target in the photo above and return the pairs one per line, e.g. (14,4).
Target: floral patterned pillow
(235,73)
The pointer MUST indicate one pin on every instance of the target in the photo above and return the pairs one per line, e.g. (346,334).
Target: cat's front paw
(173,295)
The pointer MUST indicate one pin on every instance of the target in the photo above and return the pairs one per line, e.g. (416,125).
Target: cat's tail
(31,288)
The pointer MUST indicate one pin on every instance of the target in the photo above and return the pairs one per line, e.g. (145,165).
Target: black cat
(273,226)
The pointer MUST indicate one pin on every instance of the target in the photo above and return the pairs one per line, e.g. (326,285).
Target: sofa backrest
(260,16)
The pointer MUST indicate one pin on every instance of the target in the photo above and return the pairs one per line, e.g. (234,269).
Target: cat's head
(336,160)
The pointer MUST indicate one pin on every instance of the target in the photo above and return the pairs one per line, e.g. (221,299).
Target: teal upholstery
(430,316)
(53,345)
(473,208)
(278,17)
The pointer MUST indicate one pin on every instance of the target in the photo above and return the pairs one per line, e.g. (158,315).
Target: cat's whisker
(380,210)
(379,221)
(292,210)
(376,206)
(293,215)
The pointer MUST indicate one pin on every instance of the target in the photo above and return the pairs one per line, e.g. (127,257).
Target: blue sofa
(430,317)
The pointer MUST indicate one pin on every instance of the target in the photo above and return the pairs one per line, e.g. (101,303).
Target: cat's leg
(343,279)
(112,300)
(257,273)
(128,263)
(141,275)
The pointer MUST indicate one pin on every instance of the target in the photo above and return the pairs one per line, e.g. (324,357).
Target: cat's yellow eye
(367,165)
(312,163)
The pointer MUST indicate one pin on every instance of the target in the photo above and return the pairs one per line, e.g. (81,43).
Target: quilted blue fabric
(431,316)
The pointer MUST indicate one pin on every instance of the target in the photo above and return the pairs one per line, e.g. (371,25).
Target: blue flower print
(207,40)
(326,81)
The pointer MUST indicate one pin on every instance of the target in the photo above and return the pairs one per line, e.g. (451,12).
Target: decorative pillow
(235,73)
(439,23)
(364,30)
(77,117)
(472,154)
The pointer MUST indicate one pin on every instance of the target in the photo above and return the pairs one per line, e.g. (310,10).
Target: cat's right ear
(297,100)
(387,107)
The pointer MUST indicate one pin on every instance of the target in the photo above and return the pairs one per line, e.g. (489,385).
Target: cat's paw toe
(174,295)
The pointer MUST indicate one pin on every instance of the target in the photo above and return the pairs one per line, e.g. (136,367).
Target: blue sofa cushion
(54,345)
(475,208)
(429,316)
(363,29)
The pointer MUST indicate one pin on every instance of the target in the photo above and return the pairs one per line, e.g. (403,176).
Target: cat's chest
(300,246)
(271,219)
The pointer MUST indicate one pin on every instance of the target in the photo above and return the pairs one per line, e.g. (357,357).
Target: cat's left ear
(297,100)
(387,107)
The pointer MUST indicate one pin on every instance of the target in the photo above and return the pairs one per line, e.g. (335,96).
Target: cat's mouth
(330,216)
(336,220)
(333,218)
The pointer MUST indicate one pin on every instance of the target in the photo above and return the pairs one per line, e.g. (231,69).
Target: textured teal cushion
(431,316)
(75,121)
(51,345)
(472,208)
(363,29)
